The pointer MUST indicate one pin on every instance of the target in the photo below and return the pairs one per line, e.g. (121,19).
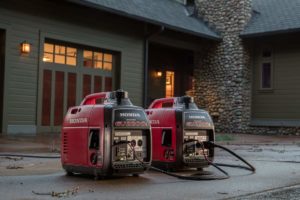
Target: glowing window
(97,60)
(170,84)
(60,54)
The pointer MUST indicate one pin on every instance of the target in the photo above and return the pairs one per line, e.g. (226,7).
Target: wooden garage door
(69,74)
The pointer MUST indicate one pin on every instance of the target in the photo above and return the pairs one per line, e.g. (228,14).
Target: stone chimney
(223,75)
(227,16)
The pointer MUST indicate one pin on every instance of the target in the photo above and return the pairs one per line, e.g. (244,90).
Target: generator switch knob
(140,143)
(133,143)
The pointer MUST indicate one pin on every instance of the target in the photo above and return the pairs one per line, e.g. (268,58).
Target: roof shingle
(168,13)
(273,16)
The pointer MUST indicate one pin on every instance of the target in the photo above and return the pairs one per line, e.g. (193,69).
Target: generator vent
(65,143)
(194,160)
(127,165)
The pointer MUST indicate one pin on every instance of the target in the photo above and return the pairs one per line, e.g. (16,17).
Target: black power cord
(210,162)
(204,145)
(249,168)
(28,156)
(195,178)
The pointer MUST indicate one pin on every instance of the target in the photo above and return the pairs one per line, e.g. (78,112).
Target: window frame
(266,60)
(66,46)
(102,60)
(169,82)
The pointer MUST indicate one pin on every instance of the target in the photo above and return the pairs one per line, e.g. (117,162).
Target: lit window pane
(48,48)
(48,57)
(97,60)
(59,59)
(60,49)
(71,61)
(169,84)
(108,57)
(98,56)
(98,64)
(88,54)
(88,58)
(107,66)
(71,51)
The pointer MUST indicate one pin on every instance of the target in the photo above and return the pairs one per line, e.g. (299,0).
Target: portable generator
(179,130)
(106,135)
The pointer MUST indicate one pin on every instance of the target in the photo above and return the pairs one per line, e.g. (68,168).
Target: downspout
(146,55)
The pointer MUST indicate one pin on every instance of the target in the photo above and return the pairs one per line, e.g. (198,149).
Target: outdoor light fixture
(46,59)
(158,73)
(25,47)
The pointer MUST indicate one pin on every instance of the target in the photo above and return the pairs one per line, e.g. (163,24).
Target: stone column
(223,74)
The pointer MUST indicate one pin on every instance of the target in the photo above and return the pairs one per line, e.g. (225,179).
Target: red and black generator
(106,135)
(179,129)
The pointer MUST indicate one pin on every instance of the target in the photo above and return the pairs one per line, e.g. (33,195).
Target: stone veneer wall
(223,77)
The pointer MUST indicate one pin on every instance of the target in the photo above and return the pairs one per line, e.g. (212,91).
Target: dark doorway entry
(170,71)
(2,58)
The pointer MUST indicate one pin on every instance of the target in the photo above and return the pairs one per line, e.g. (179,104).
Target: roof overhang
(139,18)
(269,33)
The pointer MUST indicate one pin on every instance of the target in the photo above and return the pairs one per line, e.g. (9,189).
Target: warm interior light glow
(170,76)
(46,59)
(158,73)
(25,47)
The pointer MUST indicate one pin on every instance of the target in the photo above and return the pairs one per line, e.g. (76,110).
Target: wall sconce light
(25,47)
(158,73)
(46,59)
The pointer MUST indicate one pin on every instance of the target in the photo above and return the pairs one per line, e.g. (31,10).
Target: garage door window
(97,60)
(70,72)
(60,54)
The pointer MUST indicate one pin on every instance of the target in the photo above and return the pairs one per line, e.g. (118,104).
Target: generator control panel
(193,147)
(134,146)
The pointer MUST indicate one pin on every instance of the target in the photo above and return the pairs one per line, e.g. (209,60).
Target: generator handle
(158,103)
(91,99)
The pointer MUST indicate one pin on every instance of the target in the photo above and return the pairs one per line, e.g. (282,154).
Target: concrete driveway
(277,176)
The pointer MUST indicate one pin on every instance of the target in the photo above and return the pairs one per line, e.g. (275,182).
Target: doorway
(170,72)
(2,65)
(170,84)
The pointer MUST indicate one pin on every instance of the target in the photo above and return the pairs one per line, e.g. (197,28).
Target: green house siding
(282,102)
(68,23)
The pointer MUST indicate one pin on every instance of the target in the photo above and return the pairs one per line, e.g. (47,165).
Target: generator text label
(78,120)
(130,114)
(196,117)
(153,122)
